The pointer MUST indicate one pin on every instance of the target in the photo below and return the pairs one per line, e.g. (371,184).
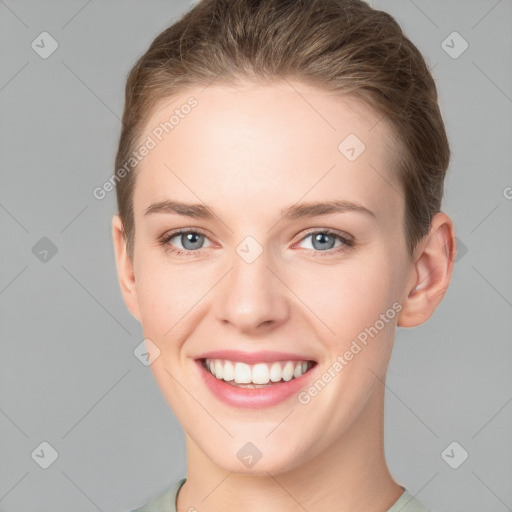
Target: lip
(265,356)
(257,398)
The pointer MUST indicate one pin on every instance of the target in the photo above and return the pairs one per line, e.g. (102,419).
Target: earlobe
(125,271)
(431,274)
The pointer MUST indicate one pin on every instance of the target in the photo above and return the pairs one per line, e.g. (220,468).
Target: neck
(350,475)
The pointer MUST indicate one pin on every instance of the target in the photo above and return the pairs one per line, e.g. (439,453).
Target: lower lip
(253,398)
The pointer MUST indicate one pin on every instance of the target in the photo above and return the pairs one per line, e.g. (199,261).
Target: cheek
(357,318)
(341,300)
(346,298)
(167,294)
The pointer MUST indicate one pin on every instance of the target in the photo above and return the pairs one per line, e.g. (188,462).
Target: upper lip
(265,356)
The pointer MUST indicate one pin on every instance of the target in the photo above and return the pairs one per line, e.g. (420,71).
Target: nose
(253,296)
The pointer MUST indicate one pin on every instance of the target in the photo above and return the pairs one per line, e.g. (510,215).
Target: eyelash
(347,243)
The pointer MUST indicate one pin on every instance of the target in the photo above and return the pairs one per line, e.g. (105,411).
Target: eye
(190,241)
(323,241)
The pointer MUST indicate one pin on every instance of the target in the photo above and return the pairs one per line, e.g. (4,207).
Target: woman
(279,181)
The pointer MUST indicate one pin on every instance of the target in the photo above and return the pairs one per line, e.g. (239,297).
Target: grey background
(68,375)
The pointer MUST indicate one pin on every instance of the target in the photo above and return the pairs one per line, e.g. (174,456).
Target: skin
(247,152)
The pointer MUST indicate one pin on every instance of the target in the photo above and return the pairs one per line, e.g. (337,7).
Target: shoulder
(407,503)
(164,502)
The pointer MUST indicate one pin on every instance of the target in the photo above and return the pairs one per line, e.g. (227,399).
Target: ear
(431,272)
(125,271)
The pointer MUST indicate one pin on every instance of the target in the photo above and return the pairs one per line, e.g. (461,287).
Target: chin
(256,459)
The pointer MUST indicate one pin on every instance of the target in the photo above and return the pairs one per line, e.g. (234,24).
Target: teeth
(275,372)
(260,373)
(219,369)
(242,373)
(288,371)
(229,371)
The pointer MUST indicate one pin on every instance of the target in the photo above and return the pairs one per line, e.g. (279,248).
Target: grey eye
(322,241)
(189,240)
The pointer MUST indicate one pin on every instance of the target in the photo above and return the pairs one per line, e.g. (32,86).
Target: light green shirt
(166,502)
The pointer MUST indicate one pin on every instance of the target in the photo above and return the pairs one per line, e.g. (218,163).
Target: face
(261,276)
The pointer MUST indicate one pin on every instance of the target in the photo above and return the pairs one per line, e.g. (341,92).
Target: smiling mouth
(259,375)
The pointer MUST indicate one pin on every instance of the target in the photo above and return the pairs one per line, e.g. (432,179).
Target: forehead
(279,142)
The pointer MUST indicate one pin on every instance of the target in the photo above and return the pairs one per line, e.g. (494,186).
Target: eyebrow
(297,211)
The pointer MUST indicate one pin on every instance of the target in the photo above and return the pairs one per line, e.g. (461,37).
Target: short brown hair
(344,46)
